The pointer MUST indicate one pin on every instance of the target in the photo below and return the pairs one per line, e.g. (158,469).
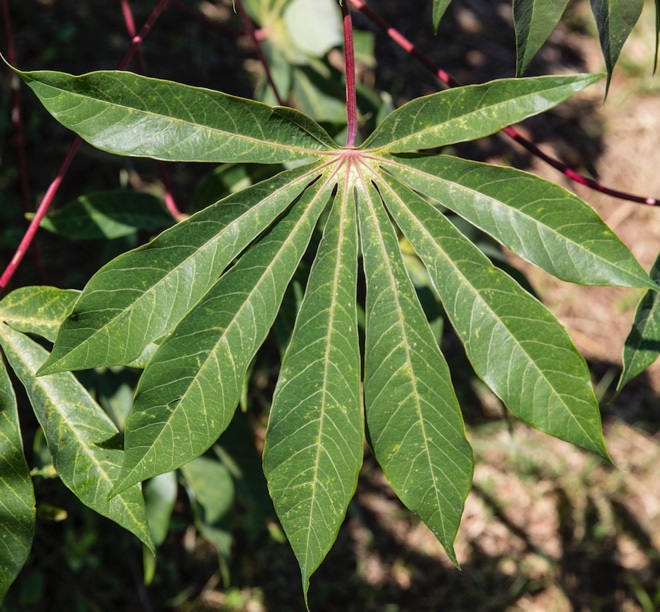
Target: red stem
(249,28)
(57,181)
(351,98)
(450,81)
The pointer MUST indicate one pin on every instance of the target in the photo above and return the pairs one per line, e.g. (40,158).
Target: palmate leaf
(314,443)
(17,512)
(514,343)
(642,346)
(539,221)
(534,20)
(84,442)
(413,419)
(179,408)
(615,20)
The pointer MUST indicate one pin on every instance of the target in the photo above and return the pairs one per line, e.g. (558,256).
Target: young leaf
(129,114)
(439,8)
(314,443)
(37,310)
(413,419)
(466,113)
(143,294)
(84,443)
(108,214)
(17,513)
(615,20)
(191,387)
(534,20)
(643,343)
(539,221)
(509,337)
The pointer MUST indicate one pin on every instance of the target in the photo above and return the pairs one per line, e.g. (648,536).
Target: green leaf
(17,512)
(510,338)
(615,20)
(539,221)
(466,113)
(643,343)
(439,8)
(315,438)
(534,20)
(83,441)
(413,419)
(159,497)
(143,294)
(314,26)
(108,214)
(190,388)
(37,310)
(657,35)
(129,114)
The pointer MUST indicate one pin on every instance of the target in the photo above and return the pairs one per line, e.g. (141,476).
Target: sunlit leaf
(83,441)
(514,343)
(314,443)
(17,513)
(413,419)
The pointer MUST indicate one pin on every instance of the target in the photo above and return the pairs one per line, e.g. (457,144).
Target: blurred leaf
(108,214)
(439,8)
(159,497)
(17,510)
(534,20)
(84,443)
(37,310)
(314,25)
(643,343)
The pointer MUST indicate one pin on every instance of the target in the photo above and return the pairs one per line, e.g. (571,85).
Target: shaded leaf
(413,419)
(143,294)
(513,342)
(439,8)
(17,511)
(534,20)
(83,441)
(539,221)
(466,113)
(643,343)
(108,214)
(37,310)
(191,387)
(314,444)
(159,497)
(129,114)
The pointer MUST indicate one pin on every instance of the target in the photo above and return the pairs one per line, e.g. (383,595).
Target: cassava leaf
(143,294)
(466,113)
(534,20)
(129,114)
(539,221)
(314,443)
(191,387)
(37,310)
(83,441)
(439,8)
(513,342)
(17,513)
(642,346)
(413,419)
(108,214)
(159,498)
(615,20)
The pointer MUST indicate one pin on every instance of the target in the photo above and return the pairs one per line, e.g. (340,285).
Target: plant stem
(450,81)
(351,98)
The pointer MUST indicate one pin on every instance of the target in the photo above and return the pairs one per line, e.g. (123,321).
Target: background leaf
(17,512)
(314,25)
(159,498)
(534,20)
(439,8)
(191,387)
(643,343)
(84,443)
(129,114)
(466,113)
(315,438)
(414,422)
(539,221)
(513,342)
